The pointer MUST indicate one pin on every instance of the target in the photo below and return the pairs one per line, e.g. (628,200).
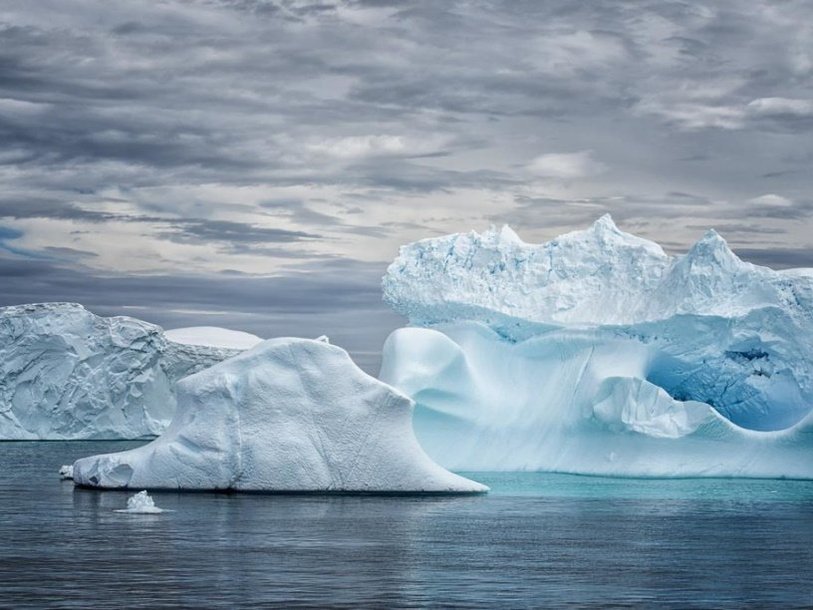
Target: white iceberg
(289,415)
(213,336)
(597,353)
(67,374)
(141,504)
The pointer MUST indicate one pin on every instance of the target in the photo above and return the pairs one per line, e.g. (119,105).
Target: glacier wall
(67,374)
(598,353)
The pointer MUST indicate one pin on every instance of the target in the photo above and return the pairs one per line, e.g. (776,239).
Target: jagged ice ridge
(599,353)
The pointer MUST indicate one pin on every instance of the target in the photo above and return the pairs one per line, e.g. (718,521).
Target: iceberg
(289,415)
(67,374)
(598,353)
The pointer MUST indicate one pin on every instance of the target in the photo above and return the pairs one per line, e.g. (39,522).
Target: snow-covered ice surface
(141,504)
(598,353)
(288,415)
(68,374)
(213,336)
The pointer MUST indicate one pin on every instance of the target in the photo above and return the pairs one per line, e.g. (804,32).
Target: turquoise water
(538,540)
(735,491)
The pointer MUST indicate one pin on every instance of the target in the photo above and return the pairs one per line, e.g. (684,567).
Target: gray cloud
(237,236)
(778,258)
(308,303)
(307,140)
(231,232)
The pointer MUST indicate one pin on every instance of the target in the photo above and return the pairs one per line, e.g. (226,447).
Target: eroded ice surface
(598,353)
(66,373)
(287,415)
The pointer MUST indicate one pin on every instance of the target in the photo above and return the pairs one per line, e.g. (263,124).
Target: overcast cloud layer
(257,164)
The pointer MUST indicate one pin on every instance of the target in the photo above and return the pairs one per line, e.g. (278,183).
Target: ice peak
(713,247)
(713,236)
(497,237)
(605,236)
(605,224)
(507,234)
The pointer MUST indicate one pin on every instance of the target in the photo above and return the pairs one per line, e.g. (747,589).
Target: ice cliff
(288,415)
(66,373)
(599,353)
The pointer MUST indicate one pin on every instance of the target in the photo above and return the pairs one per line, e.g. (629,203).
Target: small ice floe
(141,503)
(66,472)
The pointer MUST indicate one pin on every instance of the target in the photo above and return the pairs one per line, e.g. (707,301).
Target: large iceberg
(68,374)
(599,353)
(289,415)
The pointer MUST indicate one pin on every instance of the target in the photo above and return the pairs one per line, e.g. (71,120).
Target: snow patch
(212,336)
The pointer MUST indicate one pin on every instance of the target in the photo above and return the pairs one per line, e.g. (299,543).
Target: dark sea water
(537,541)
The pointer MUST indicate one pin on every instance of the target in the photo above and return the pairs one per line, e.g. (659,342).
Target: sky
(256,164)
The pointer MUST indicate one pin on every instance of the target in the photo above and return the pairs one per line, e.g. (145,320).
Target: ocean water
(537,541)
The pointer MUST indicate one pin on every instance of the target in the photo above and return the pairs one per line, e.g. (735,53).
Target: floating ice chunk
(141,503)
(288,415)
(66,472)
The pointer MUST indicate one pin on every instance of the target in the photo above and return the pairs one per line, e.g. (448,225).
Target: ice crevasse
(598,353)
